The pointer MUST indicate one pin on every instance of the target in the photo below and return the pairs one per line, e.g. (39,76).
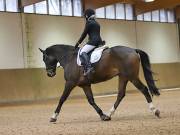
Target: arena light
(149,0)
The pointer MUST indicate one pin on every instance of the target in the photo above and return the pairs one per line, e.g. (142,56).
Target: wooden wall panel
(33,84)
(29,2)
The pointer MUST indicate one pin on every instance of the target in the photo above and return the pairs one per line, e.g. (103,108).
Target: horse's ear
(41,50)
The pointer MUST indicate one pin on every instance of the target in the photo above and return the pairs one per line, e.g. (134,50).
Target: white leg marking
(111,111)
(152,108)
(55,115)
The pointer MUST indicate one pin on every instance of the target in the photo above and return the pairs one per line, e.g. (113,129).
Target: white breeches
(87,48)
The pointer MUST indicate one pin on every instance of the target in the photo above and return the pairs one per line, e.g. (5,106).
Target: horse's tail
(148,72)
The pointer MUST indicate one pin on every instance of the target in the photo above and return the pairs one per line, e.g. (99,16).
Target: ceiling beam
(29,2)
(177,11)
(94,4)
(143,7)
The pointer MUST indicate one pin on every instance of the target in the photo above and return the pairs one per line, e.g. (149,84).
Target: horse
(120,61)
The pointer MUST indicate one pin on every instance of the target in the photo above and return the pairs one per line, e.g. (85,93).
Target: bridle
(50,68)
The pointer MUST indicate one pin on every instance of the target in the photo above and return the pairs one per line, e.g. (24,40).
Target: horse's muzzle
(51,74)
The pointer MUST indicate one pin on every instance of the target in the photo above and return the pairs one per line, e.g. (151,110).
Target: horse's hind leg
(121,94)
(140,86)
(89,95)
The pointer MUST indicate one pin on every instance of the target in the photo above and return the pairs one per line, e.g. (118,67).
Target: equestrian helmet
(88,13)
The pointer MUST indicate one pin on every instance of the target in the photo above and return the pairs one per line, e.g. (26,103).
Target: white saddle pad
(95,55)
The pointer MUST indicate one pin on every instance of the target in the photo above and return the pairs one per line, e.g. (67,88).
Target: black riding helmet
(88,13)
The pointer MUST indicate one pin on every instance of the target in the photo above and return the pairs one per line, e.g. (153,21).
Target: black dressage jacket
(92,29)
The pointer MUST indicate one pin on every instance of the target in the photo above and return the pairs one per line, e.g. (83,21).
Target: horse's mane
(61,50)
(60,46)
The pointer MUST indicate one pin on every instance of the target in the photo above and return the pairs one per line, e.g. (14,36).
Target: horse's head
(50,62)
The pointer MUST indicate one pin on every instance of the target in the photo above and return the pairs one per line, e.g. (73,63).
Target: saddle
(94,55)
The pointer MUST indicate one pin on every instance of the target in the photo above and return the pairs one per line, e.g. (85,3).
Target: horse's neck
(66,57)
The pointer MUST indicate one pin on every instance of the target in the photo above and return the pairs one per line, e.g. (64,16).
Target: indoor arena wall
(11,42)
(22,74)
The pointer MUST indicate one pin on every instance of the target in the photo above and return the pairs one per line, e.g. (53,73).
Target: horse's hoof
(105,118)
(157,113)
(53,120)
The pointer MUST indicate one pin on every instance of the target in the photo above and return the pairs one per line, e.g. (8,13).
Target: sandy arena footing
(79,118)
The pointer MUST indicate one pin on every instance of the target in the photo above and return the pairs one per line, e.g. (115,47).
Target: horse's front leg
(67,90)
(89,95)
(121,94)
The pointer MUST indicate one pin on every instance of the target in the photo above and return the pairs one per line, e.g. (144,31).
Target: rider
(92,28)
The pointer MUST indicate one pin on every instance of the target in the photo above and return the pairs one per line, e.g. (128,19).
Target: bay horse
(120,61)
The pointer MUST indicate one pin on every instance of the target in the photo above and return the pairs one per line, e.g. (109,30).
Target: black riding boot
(86,63)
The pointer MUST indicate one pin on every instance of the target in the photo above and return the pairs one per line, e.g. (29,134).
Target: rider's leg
(86,60)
